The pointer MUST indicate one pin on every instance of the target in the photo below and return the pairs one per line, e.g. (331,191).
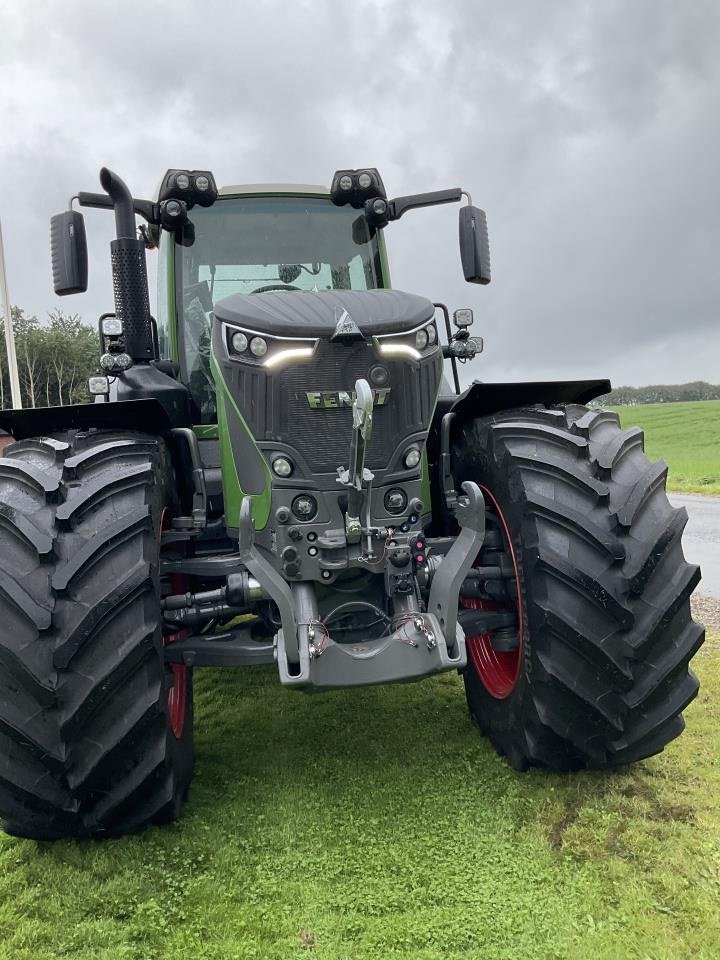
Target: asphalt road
(701,540)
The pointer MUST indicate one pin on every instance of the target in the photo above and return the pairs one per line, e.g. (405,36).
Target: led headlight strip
(413,345)
(245,345)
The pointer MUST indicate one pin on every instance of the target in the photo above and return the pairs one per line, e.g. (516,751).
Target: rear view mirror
(474,245)
(68,245)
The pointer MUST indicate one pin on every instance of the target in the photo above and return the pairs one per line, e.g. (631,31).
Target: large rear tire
(87,705)
(600,676)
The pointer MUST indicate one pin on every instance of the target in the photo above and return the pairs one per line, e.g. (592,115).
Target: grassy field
(686,436)
(377,823)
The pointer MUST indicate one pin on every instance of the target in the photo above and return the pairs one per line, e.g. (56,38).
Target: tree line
(660,393)
(54,359)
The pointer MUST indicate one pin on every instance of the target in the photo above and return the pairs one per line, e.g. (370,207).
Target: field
(686,436)
(377,823)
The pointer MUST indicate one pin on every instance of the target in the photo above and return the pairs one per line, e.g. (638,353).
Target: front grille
(276,409)
(323,435)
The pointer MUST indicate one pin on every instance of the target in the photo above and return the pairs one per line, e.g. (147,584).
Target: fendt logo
(318,399)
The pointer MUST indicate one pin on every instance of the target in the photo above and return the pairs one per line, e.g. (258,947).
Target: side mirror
(474,245)
(68,245)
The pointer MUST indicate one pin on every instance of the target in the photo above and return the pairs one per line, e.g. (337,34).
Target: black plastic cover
(148,415)
(68,246)
(474,245)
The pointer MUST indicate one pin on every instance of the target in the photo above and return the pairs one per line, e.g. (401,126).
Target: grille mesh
(323,435)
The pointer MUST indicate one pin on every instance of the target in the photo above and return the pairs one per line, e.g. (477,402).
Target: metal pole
(9,332)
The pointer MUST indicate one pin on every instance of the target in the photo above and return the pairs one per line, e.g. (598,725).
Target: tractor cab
(256,239)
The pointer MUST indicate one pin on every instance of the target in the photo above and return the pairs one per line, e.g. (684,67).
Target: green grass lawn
(377,823)
(686,436)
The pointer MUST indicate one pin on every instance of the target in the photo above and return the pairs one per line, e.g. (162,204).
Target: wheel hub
(498,669)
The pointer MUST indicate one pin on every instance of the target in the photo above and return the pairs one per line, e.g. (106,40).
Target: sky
(588,131)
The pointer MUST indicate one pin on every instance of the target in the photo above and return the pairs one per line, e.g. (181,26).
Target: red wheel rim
(177,694)
(177,697)
(498,670)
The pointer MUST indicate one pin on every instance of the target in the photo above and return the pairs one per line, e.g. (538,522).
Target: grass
(686,436)
(377,823)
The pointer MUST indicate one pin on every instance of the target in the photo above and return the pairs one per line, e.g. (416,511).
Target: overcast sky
(589,133)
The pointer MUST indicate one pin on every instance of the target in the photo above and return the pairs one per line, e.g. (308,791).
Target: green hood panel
(244,469)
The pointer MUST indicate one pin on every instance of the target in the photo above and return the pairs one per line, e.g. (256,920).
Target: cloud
(587,132)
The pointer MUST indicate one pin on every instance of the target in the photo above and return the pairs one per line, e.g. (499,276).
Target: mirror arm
(401,205)
(143,208)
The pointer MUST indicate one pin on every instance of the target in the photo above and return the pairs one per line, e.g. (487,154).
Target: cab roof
(251,189)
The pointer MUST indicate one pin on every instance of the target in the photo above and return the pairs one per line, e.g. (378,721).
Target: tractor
(281,467)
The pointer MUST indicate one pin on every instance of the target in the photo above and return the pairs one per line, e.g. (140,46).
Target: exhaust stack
(129,271)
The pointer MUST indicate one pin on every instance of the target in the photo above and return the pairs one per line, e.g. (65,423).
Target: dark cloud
(588,131)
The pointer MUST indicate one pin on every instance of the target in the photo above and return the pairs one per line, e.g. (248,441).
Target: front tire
(87,746)
(600,676)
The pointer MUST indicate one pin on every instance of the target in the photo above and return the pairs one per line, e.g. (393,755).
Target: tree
(73,353)
(54,359)
(659,393)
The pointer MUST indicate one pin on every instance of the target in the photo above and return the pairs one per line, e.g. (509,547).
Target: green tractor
(281,468)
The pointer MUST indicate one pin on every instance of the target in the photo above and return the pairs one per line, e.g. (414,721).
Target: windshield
(260,244)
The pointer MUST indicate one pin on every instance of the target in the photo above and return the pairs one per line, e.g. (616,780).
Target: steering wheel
(274,286)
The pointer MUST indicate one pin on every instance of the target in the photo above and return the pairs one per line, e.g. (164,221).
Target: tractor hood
(308,314)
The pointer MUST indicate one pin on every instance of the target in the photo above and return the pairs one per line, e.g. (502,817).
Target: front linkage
(423,578)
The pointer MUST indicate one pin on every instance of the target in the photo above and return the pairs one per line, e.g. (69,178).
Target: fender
(481,399)
(484,399)
(146,415)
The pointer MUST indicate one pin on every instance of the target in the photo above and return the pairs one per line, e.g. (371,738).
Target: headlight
(202,183)
(98,385)
(291,353)
(399,350)
(114,362)
(258,347)
(412,458)
(182,181)
(261,349)
(282,466)
(123,360)
(239,342)
(111,326)
(413,345)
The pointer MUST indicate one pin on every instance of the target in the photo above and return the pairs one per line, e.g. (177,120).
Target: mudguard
(481,399)
(147,415)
